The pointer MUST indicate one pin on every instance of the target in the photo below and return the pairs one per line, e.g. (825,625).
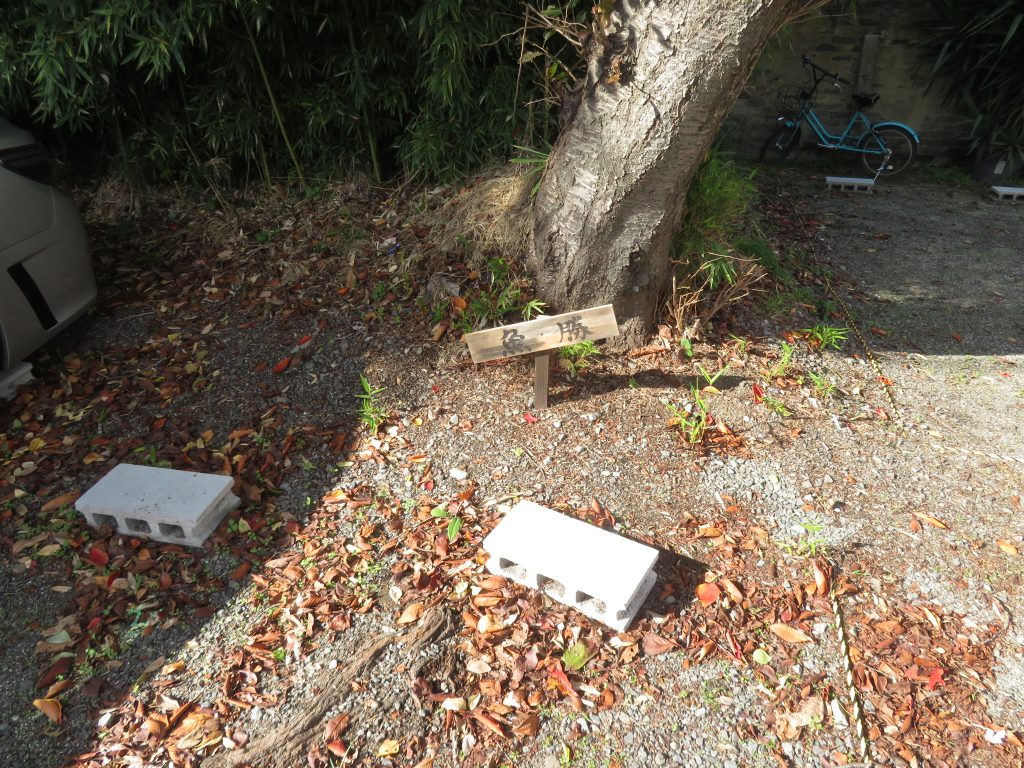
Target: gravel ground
(843,473)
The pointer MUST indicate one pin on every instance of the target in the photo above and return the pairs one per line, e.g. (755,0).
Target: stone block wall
(874,48)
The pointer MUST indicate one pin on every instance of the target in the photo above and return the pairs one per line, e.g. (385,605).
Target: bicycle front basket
(789,99)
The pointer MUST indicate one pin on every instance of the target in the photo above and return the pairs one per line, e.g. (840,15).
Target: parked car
(46,275)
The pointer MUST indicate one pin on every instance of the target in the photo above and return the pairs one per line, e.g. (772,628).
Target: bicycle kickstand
(885,161)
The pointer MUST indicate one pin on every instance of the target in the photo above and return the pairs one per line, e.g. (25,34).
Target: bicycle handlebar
(806,60)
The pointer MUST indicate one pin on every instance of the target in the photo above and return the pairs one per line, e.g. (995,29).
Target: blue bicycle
(885,149)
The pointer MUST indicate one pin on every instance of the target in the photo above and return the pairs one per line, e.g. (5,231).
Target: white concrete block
(163,504)
(13,378)
(1015,194)
(848,184)
(597,572)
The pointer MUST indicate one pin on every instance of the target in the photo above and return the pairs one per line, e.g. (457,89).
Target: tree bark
(657,90)
(287,744)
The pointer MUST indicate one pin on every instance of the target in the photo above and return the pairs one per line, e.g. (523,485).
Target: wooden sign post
(539,337)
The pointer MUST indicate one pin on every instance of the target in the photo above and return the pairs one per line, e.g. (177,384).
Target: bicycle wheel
(780,144)
(897,140)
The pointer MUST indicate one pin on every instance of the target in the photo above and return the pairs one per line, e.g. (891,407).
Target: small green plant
(532,308)
(502,295)
(379,291)
(693,420)
(371,413)
(823,387)
(577,357)
(455,522)
(279,654)
(687,346)
(147,455)
(775,405)
(535,162)
(786,301)
(825,336)
(781,368)
(711,378)
(810,544)
(741,345)
(710,692)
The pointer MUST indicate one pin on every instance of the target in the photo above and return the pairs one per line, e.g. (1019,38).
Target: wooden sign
(538,337)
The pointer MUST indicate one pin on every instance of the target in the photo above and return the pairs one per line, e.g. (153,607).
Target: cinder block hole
(512,568)
(105,520)
(173,531)
(589,601)
(137,526)
(551,586)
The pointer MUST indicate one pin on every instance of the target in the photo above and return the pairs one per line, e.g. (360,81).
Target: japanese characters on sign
(543,334)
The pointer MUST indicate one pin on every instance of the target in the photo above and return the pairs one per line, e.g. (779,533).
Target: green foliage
(978,49)
(691,420)
(493,302)
(822,385)
(717,260)
(221,91)
(535,162)
(371,412)
(781,368)
(825,336)
(716,204)
(576,357)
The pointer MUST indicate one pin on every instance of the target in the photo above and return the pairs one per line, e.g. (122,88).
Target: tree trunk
(660,82)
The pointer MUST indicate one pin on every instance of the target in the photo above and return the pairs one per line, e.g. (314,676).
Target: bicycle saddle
(865,99)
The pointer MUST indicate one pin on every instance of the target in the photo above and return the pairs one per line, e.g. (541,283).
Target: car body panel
(46,274)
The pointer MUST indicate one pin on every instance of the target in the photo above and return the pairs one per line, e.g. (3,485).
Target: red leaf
(282,365)
(758,393)
(98,557)
(935,678)
(556,672)
(957,338)
(529,418)
(337,748)
(305,340)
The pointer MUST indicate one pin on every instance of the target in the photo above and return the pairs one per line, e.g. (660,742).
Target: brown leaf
(336,726)
(527,726)
(822,578)
(707,593)
(790,634)
(65,500)
(656,644)
(1007,546)
(240,571)
(489,723)
(49,707)
(929,519)
(58,687)
(735,594)
(411,613)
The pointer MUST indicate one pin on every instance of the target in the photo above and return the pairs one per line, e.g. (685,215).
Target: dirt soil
(343,615)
